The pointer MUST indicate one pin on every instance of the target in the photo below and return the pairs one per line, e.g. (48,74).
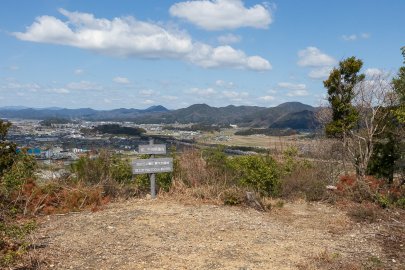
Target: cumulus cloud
(147,92)
(170,98)
(225,56)
(320,63)
(148,102)
(235,96)
(78,71)
(58,90)
(292,86)
(222,14)
(298,93)
(299,89)
(202,91)
(229,39)
(84,85)
(313,57)
(267,98)
(225,84)
(129,37)
(354,37)
(320,73)
(32,87)
(121,80)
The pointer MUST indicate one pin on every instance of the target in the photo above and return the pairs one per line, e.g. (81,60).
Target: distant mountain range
(74,114)
(293,115)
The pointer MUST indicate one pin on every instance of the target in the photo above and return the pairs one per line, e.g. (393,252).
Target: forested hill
(287,115)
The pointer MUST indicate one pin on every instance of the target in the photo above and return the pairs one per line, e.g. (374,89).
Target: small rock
(330,187)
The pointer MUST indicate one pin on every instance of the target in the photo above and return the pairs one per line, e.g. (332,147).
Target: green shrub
(105,168)
(13,241)
(216,158)
(7,149)
(22,169)
(257,172)
(290,159)
(120,170)
(232,196)
(400,203)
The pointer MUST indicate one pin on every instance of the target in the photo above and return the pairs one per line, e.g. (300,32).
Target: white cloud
(298,93)
(313,57)
(202,91)
(170,98)
(267,98)
(58,90)
(148,102)
(222,14)
(78,71)
(349,37)
(128,37)
(147,92)
(121,80)
(222,83)
(299,89)
(225,56)
(32,87)
(320,73)
(229,39)
(354,37)
(272,91)
(119,36)
(320,63)
(365,35)
(84,85)
(13,68)
(292,86)
(235,96)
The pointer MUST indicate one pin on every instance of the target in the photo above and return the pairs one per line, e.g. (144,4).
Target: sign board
(152,165)
(152,149)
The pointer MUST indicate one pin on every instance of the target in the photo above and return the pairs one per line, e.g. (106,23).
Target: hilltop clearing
(165,234)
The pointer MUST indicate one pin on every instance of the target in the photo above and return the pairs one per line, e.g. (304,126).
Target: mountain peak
(156,108)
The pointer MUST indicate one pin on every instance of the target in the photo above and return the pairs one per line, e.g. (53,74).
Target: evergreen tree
(340,85)
(399,88)
(7,149)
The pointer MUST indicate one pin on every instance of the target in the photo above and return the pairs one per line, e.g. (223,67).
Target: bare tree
(373,100)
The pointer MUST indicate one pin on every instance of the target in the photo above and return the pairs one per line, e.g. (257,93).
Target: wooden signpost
(152,165)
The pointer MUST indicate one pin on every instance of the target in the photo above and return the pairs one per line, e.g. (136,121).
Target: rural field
(169,234)
(278,143)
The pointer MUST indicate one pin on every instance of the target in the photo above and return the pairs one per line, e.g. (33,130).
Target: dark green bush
(23,168)
(105,168)
(261,173)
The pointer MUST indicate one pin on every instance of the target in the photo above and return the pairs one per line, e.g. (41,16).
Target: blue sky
(135,54)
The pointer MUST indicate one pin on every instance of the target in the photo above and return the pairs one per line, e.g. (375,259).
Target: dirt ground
(165,234)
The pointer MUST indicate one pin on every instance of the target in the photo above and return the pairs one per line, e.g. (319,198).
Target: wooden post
(152,177)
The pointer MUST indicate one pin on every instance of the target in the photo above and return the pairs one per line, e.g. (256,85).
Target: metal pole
(152,177)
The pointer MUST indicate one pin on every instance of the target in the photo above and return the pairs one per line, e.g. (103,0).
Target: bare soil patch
(165,234)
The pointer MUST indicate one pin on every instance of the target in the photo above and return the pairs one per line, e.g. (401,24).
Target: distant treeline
(53,121)
(119,130)
(267,131)
(199,127)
